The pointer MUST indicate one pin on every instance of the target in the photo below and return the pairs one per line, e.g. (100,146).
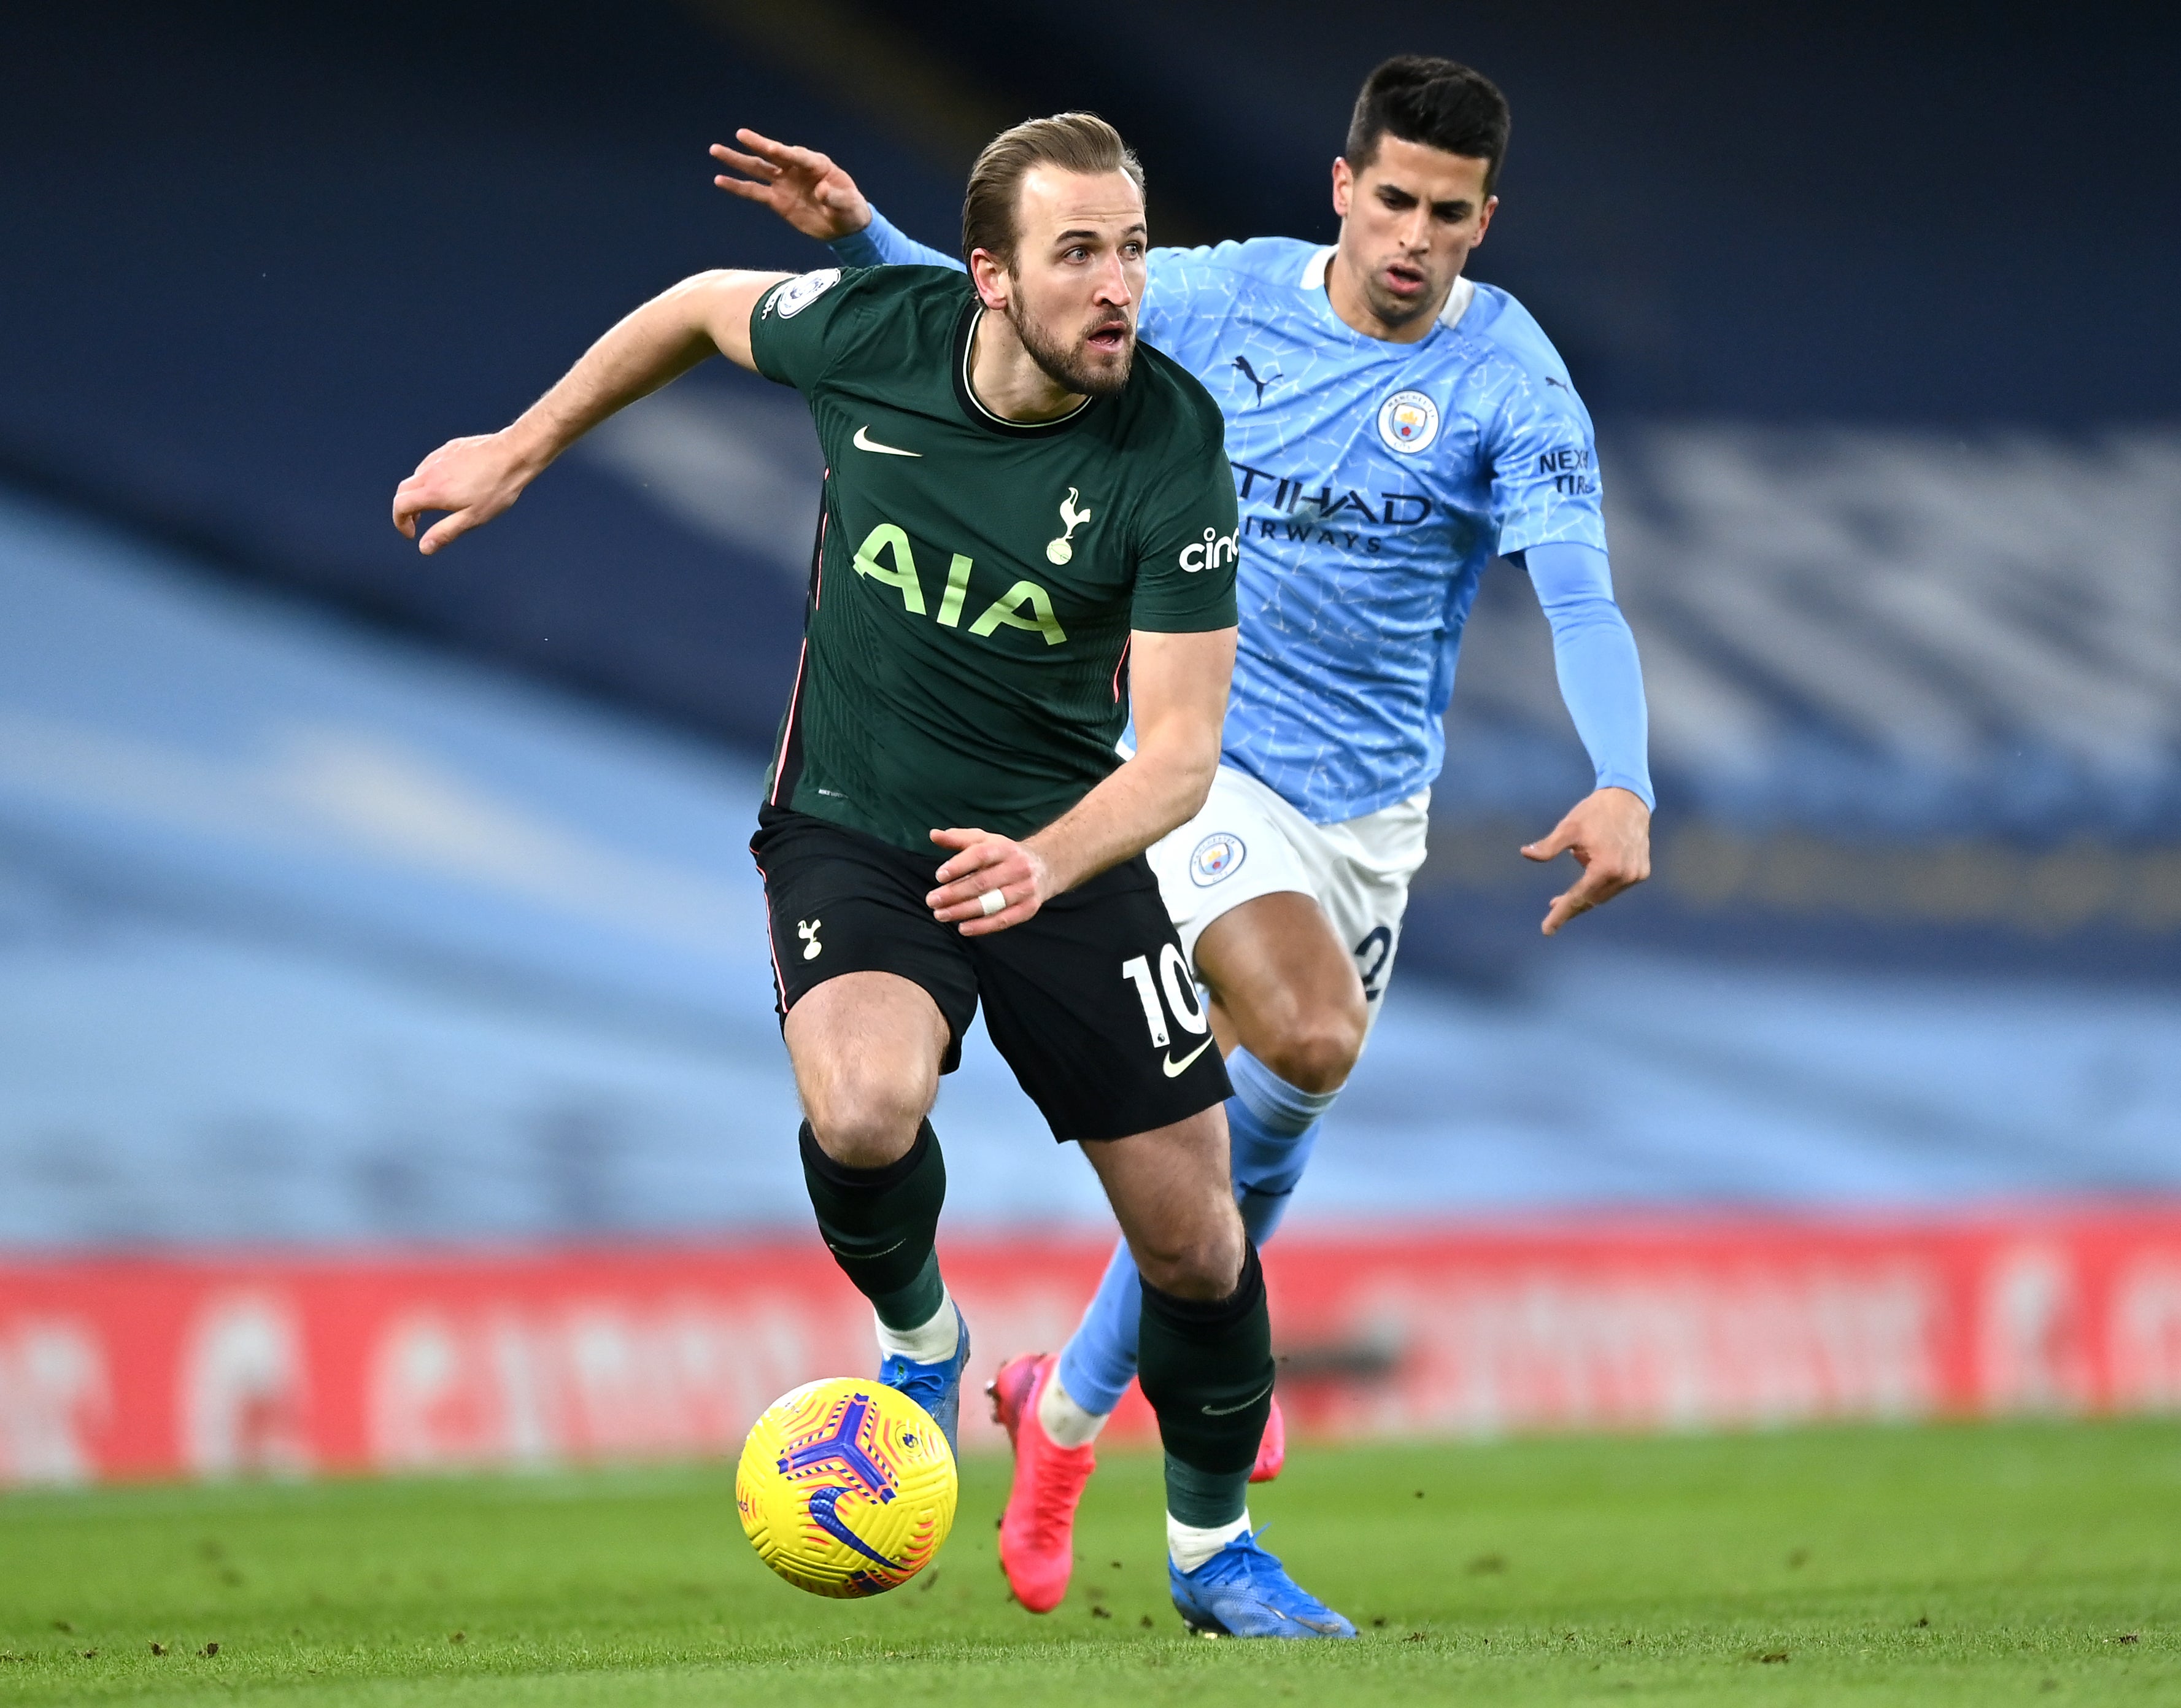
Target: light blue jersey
(1376,480)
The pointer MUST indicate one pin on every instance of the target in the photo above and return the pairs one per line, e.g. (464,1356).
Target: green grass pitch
(2018,1564)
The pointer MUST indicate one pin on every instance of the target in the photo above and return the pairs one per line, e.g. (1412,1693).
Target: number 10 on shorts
(1180,994)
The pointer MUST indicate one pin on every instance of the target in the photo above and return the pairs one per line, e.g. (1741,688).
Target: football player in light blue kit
(1392,427)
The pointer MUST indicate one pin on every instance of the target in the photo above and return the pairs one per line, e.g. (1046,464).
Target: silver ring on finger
(992,902)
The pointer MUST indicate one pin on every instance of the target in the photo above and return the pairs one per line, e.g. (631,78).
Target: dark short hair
(1073,141)
(1436,102)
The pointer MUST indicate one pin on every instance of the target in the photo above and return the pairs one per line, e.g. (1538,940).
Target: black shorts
(1090,1000)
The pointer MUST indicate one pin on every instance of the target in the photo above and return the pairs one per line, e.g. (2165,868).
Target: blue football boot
(935,1387)
(1243,1591)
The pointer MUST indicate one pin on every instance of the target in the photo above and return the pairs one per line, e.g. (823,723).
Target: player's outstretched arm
(475,478)
(1608,832)
(1178,686)
(815,196)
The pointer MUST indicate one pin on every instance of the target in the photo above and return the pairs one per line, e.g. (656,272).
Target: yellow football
(846,1487)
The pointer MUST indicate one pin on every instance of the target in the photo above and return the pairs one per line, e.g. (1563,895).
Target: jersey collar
(1457,300)
(965,336)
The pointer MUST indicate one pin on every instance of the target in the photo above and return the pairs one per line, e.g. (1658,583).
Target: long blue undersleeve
(1601,679)
(880,245)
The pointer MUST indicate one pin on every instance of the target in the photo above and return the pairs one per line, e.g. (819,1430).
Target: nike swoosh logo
(1174,1067)
(864,1256)
(1229,1411)
(866,442)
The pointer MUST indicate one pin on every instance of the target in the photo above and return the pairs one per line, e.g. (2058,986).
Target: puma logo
(807,931)
(1250,373)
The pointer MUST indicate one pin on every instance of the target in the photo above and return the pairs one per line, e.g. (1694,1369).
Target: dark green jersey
(976,580)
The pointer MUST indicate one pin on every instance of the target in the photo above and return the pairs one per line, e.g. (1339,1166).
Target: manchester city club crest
(1218,855)
(1408,421)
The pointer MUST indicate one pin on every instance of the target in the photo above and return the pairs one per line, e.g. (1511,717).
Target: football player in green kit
(1029,531)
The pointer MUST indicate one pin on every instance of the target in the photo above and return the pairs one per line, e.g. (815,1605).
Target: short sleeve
(796,329)
(1545,484)
(1189,536)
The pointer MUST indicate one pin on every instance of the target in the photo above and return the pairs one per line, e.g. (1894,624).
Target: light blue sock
(1099,1360)
(1273,1127)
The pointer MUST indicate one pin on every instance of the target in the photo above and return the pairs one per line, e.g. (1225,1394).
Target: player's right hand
(1608,833)
(1015,874)
(472,479)
(803,186)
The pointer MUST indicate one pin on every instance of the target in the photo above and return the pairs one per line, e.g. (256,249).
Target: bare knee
(1202,1262)
(866,1049)
(863,1120)
(1315,1050)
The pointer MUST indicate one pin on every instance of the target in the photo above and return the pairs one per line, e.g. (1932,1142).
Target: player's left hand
(1608,833)
(984,864)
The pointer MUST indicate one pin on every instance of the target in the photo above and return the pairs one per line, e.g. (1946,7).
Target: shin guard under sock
(1206,1368)
(880,1224)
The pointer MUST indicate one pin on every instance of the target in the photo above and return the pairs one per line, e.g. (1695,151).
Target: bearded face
(1088,350)
(1070,284)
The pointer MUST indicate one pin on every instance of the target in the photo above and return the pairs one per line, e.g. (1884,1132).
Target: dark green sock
(1206,1368)
(880,1224)
(1203,1500)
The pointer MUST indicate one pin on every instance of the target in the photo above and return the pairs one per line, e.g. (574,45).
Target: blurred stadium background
(352,904)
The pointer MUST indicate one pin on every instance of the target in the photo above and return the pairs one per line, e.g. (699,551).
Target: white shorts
(1247,842)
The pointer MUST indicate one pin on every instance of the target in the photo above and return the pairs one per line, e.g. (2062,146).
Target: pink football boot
(1037,1534)
(1272,1449)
